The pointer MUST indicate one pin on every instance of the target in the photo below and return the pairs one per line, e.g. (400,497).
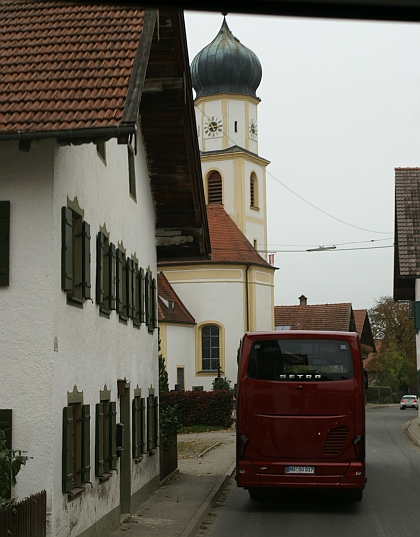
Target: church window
(214,188)
(253,190)
(210,347)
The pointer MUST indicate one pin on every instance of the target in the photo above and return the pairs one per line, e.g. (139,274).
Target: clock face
(213,127)
(253,129)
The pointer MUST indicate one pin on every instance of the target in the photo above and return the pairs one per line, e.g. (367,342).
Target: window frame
(4,243)
(105,436)
(139,439)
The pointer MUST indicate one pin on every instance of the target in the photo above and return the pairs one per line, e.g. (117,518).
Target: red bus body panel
(312,424)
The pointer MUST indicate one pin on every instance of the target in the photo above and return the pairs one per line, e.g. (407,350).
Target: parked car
(409,401)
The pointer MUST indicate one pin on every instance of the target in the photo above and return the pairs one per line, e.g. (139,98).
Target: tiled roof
(179,314)
(407,212)
(228,243)
(65,66)
(323,317)
(363,328)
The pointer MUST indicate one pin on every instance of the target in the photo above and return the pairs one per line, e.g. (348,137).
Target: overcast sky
(340,109)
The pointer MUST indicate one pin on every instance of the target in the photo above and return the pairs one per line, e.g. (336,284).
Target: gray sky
(340,109)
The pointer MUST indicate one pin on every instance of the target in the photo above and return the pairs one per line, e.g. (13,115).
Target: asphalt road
(390,506)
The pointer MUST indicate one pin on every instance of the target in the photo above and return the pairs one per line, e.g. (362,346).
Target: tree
(395,363)
(163,374)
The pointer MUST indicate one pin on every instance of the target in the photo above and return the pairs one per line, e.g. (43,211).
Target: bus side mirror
(365,376)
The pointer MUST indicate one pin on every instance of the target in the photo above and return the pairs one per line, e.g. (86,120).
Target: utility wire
(305,200)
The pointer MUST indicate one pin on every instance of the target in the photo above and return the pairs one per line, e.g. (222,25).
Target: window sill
(137,460)
(210,373)
(74,493)
(104,477)
(254,208)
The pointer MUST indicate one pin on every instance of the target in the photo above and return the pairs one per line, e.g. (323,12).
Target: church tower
(225,75)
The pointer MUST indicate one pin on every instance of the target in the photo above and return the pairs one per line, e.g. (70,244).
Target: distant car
(409,401)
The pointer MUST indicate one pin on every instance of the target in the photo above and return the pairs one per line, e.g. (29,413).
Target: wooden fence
(26,518)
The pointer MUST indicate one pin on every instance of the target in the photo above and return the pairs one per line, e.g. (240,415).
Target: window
(214,189)
(210,347)
(152,421)
(253,190)
(4,242)
(75,266)
(106,267)
(139,422)
(131,171)
(180,378)
(105,441)
(76,444)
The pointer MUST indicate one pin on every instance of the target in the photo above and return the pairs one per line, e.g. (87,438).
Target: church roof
(225,66)
(228,243)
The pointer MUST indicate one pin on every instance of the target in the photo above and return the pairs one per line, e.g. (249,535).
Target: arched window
(210,347)
(253,190)
(214,189)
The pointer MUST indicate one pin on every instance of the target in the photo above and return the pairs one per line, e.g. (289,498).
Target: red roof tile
(323,317)
(65,66)
(179,313)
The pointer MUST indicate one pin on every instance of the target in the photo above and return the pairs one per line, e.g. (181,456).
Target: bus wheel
(256,494)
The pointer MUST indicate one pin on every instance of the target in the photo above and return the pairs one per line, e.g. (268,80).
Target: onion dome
(225,66)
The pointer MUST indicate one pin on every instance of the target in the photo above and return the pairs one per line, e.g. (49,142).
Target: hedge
(200,408)
(379,394)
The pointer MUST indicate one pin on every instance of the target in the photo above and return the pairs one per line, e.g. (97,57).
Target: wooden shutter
(67,465)
(99,441)
(143,446)
(112,276)
(129,283)
(120,268)
(85,444)
(136,295)
(66,249)
(150,423)
(154,305)
(86,281)
(135,433)
(141,295)
(156,421)
(4,242)
(214,183)
(100,253)
(147,297)
(113,434)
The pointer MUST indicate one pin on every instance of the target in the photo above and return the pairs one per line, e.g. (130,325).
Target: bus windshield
(300,360)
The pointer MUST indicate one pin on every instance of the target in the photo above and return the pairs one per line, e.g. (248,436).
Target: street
(389,508)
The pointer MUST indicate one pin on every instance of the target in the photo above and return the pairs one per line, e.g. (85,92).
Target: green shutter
(66,249)
(4,242)
(156,421)
(100,251)
(135,433)
(113,434)
(112,276)
(141,295)
(147,297)
(67,469)
(120,268)
(86,260)
(150,423)
(154,305)
(136,298)
(86,444)
(129,283)
(99,445)
(143,425)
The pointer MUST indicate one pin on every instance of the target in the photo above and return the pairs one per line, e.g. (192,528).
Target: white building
(89,181)
(233,292)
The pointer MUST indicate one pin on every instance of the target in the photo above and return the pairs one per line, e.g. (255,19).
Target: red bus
(300,412)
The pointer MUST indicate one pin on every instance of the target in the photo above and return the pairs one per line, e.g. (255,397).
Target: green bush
(379,394)
(200,408)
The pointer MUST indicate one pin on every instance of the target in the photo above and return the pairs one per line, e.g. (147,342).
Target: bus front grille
(335,440)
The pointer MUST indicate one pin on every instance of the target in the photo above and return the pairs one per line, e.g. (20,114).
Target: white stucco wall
(180,344)
(92,350)
(236,112)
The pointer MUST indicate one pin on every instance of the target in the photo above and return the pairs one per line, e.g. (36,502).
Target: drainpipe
(247,296)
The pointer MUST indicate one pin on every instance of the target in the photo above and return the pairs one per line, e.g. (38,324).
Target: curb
(410,434)
(208,504)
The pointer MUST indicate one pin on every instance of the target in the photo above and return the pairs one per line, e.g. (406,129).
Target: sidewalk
(180,505)
(413,430)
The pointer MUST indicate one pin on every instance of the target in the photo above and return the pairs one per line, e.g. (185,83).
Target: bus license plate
(300,469)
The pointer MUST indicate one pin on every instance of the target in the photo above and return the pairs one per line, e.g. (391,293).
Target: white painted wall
(92,350)
(180,344)
(236,112)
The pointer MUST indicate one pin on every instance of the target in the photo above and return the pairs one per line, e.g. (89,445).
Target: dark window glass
(300,360)
(210,347)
